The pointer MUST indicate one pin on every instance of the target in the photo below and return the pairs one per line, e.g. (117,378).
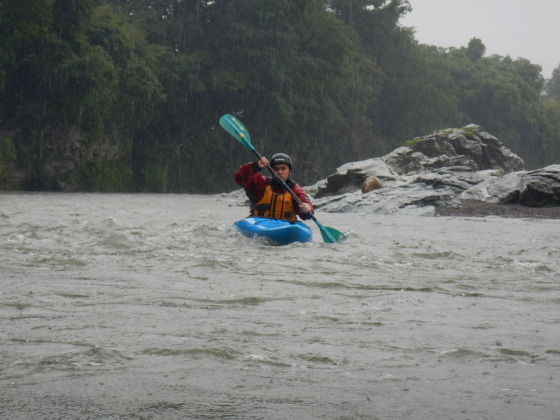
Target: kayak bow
(282,232)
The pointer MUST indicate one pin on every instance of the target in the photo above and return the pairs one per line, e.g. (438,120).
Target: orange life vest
(275,206)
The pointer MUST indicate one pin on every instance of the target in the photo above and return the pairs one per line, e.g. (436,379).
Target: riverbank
(472,208)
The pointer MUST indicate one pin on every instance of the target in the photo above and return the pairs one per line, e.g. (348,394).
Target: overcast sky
(520,28)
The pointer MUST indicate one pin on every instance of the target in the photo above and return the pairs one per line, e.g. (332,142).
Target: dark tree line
(125,95)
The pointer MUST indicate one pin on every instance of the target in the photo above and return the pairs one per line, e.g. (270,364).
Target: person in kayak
(268,196)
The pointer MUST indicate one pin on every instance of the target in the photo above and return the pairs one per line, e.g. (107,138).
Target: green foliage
(553,84)
(71,16)
(475,49)
(413,142)
(102,176)
(8,157)
(469,132)
(125,95)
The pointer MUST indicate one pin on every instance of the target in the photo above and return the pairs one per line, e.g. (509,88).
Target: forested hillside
(125,95)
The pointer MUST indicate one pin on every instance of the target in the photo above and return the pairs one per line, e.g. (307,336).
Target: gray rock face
(499,190)
(484,149)
(533,189)
(542,187)
(468,150)
(438,170)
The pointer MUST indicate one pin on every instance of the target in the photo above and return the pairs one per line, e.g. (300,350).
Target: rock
(408,161)
(371,183)
(413,199)
(542,187)
(469,149)
(458,178)
(532,189)
(443,169)
(471,143)
(497,190)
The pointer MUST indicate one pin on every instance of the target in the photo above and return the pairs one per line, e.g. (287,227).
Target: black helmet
(281,158)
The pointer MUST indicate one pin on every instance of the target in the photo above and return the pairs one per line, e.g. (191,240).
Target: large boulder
(542,187)
(497,190)
(473,143)
(537,188)
(407,161)
(459,178)
(450,157)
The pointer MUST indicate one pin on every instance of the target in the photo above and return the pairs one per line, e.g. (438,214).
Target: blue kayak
(280,231)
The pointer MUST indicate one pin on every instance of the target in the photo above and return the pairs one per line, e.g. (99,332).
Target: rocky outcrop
(542,187)
(533,189)
(448,152)
(471,143)
(438,170)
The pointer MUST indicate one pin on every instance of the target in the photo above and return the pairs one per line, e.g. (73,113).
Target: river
(144,306)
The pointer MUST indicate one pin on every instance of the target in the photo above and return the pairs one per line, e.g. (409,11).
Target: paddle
(234,127)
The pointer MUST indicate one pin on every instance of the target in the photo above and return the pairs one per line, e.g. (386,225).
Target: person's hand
(306,208)
(263,163)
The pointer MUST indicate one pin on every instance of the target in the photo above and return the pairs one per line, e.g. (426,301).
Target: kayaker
(268,196)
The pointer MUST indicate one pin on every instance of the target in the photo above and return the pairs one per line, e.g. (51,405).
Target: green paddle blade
(329,234)
(234,127)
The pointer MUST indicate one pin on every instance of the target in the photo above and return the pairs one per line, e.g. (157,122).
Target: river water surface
(145,306)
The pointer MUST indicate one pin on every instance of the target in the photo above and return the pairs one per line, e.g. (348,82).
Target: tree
(476,49)
(291,67)
(553,84)
(71,17)
(110,95)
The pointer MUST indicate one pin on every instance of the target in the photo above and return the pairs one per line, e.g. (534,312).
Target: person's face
(282,170)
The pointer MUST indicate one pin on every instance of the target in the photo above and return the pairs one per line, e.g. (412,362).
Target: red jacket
(250,178)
